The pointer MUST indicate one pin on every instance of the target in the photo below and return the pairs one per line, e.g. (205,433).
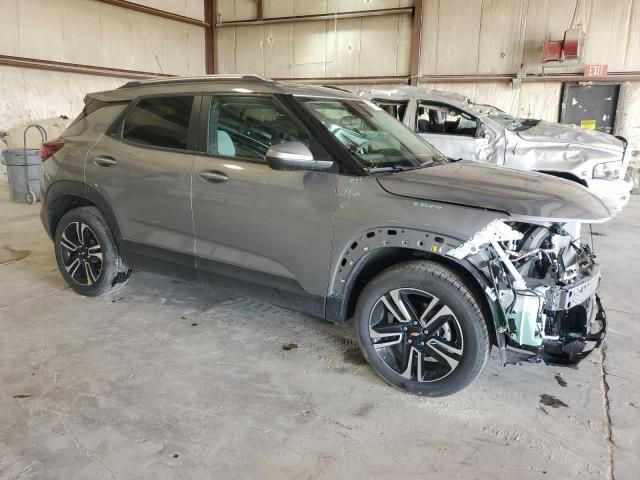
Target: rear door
(143,170)
(272,227)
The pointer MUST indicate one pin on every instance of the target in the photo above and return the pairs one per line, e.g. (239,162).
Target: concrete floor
(174,380)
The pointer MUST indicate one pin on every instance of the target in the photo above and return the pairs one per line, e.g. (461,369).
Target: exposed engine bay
(544,284)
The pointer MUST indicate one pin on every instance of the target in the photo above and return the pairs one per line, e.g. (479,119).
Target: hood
(571,135)
(524,195)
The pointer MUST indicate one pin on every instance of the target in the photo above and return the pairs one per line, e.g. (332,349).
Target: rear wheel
(421,329)
(87,254)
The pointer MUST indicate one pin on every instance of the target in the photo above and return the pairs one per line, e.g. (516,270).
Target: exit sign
(596,70)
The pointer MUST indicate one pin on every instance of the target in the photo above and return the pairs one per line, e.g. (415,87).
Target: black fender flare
(429,245)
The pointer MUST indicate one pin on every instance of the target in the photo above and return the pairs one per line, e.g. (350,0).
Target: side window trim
(116,130)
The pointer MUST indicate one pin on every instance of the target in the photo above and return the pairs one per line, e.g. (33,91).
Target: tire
(442,336)
(87,254)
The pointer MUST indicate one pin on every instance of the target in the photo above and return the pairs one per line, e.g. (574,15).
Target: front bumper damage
(543,285)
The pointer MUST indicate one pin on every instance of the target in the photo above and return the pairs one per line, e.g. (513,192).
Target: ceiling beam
(211,60)
(612,77)
(319,17)
(155,11)
(416,36)
(75,68)
(382,80)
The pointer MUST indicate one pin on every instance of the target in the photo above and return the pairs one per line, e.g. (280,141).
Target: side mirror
(294,156)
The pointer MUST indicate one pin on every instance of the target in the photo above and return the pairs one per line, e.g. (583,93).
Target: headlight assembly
(608,170)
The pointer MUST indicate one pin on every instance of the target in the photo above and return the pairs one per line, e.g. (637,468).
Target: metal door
(592,106)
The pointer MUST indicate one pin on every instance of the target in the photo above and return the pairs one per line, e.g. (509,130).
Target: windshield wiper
(391,168)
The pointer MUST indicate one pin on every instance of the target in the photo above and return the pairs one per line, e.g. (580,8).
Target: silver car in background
(461,129)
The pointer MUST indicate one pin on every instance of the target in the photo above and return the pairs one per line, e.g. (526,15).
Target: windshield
(376,139)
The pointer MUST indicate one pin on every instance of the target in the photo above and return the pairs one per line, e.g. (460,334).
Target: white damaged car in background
(461,129)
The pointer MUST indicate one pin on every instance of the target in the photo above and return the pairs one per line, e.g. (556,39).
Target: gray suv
(326,204)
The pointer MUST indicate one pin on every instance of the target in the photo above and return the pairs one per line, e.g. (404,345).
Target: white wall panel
(349,47)
(383,46)
(96,33)
(539,100)
(187,8)
(147,45)
(278,50)
(458,34)
(28,95)
(343,48)
(226,50)
(80,42)
(116,30)
(40,29)
(248,50)
(230,10)
(496,36)
(502,28)
(608,32)
(632,53)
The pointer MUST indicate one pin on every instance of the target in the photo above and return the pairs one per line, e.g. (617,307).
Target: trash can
(23,170)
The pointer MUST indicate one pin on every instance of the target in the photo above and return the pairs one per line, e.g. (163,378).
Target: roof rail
(198,79)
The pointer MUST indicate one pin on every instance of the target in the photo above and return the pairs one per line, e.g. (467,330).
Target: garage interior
(168,379)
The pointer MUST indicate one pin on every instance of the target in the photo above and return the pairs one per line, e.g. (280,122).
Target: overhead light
(231,166)
(242,90)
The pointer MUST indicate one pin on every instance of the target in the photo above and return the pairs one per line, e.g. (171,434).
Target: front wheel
(87,253)
(421,329)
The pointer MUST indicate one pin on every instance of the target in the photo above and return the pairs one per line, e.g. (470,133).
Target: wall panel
(28,95)
(501,44)
(186,8)
(100,34)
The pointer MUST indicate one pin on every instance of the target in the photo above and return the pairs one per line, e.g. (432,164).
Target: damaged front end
(543,284)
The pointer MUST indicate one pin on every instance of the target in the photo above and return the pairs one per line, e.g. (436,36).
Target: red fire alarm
(560,50)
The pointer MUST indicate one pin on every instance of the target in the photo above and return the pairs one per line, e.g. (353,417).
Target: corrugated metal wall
(375,46)
(496,36)
(91,33)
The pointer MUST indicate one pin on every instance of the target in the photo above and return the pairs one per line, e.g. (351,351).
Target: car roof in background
(407,92)
(216,83)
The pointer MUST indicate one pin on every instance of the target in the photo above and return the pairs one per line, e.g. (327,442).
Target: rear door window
(161,122)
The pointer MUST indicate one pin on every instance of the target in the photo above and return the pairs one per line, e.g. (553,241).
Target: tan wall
(95,33)
(347,48)
(495,36)
(27,94)
(92,33)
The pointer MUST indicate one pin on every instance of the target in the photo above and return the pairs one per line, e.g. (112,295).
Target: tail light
(49,148)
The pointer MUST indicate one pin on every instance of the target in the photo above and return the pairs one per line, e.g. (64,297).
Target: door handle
(105,161)
(214,176)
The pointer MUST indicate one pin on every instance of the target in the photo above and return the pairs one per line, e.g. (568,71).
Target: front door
(273,227)
(143,170)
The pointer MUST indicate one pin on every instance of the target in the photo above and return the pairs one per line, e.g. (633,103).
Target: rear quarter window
(161,122)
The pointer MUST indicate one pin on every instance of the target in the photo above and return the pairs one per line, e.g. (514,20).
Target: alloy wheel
(81,253)
(416,334)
